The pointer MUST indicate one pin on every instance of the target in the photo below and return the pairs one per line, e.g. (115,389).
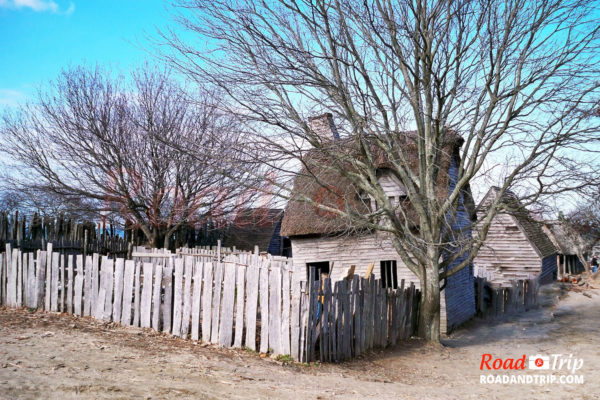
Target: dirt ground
(54,356)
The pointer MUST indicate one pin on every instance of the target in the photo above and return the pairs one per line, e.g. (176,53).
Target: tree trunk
(429,311)
(166,241)
(583,262)
(154,239)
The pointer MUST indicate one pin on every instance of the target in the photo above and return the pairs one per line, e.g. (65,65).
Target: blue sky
(39,37)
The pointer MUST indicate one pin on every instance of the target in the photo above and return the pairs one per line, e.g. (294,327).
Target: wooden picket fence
(348,317)
(236,300)
(493,302)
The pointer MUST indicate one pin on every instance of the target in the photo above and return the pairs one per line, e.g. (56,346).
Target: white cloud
(11,97)
(37,6)
(71,9)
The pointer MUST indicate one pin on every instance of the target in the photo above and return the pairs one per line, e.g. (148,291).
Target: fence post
(85,243)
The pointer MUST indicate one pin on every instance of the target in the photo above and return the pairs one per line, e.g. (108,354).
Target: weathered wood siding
(361,251)
(275,245)
(458,296)
(345,251)
(549,268)
(391,185)
(508,253)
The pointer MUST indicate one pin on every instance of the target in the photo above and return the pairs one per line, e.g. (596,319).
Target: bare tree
(518,81)
(96,141)
(583,223)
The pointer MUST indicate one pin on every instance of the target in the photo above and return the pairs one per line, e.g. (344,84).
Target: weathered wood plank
(11,277)
(31,300)
(379,313)
(19,274)
(109,270)
(385,315)
(79,278)
(372,308)
(347,324)
(70,281)
(7,274)
(240,298)
(167,307)
(146,300)
(331,325)
(339,311)
(285,312)
(196,297)
(48,286)
(403,311)
(187,297)
(118,293)
(356,315)
(207,301)
(2,280)
(28,278)
(87,300)
(275,308)
(128,277)
(303,319)
(216,303)
(350,328)
(54,282)
(264,307)
(295,318)
(99,310)
(412,305)
(40,278)
(313,286)
(156,294)
(95,277)
(136,294)
(324,322)
(251,303)
(178,297)
(226,320)
(23,280)
(61,304)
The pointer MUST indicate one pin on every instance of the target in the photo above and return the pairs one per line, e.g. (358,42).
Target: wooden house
(326,241)
(257,227)
(516,246)
(566,243)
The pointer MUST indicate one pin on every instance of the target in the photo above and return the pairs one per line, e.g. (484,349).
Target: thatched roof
(565,242)
(253,227)
(321,180)
(529,225)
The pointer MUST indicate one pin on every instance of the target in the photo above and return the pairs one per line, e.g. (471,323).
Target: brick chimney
(323,126)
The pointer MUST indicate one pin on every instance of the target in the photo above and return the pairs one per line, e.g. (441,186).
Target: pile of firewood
(583,283)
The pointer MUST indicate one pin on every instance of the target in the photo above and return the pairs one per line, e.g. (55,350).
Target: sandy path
(59,357)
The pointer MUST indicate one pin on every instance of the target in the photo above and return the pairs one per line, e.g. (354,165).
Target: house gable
(516,247)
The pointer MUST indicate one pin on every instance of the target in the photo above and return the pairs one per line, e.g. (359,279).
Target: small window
(389,274)
(322,268)
(511,228)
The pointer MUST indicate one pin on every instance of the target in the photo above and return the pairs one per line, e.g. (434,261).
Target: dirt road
(61,357)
